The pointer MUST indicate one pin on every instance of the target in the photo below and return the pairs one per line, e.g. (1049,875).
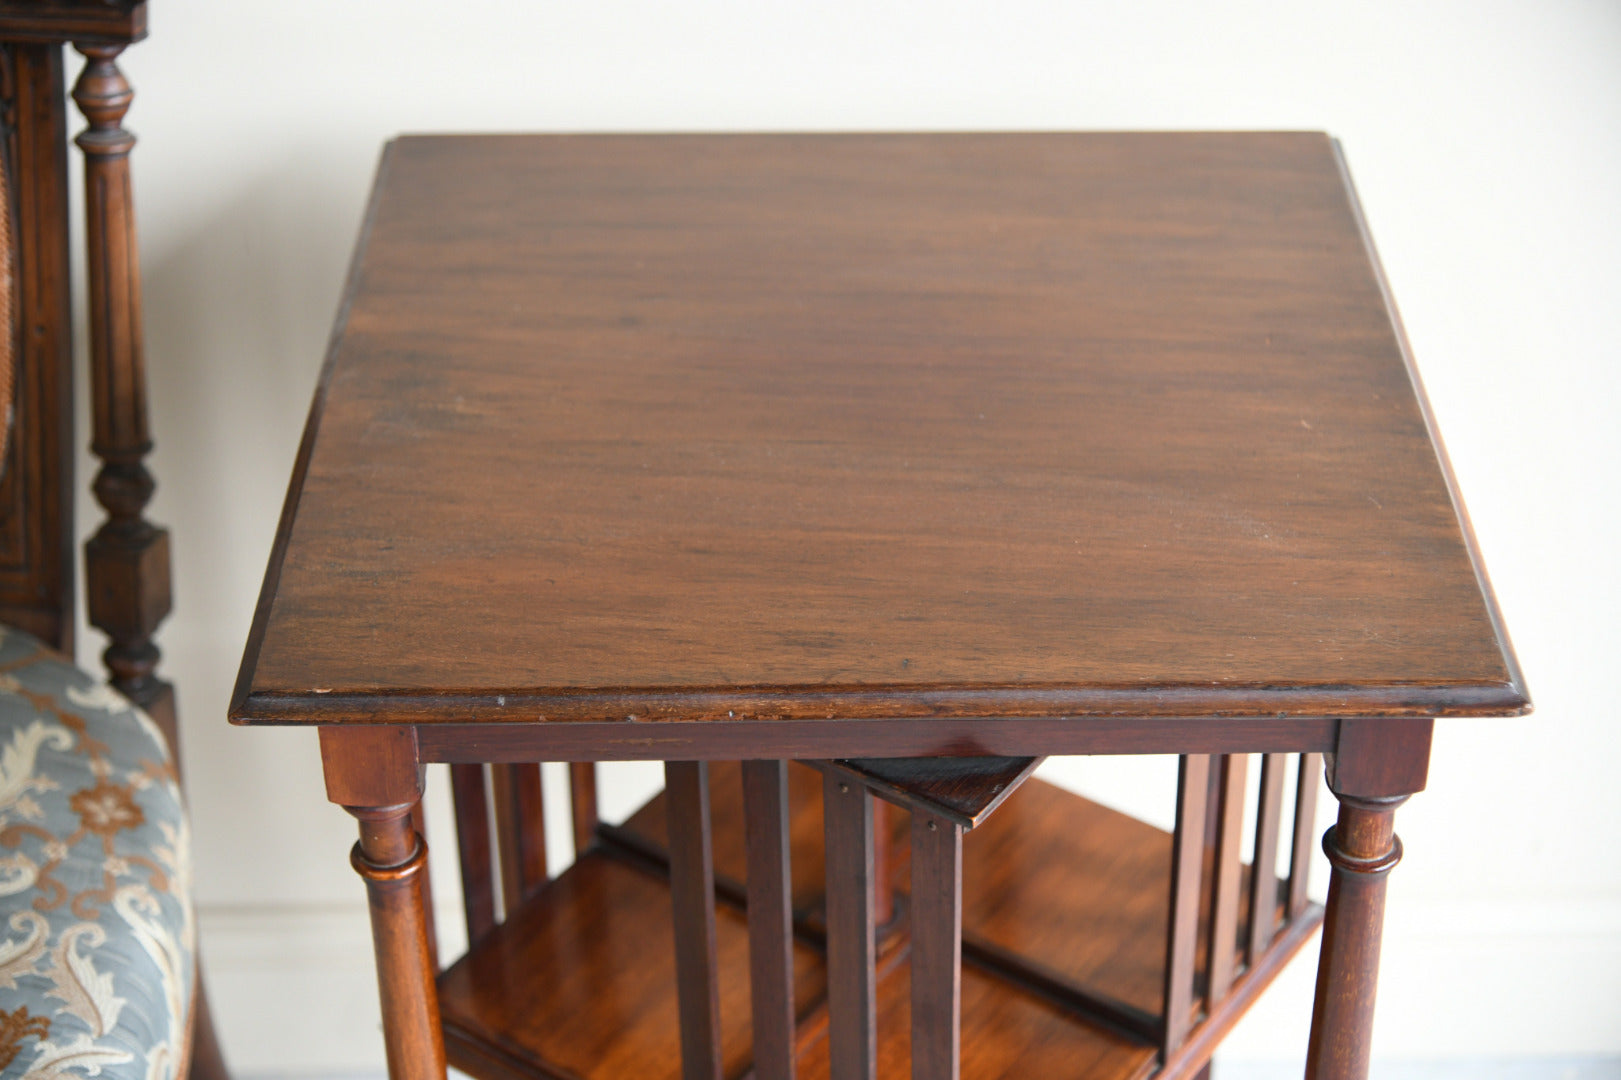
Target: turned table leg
(373,773)
(1362,847)
(1377,765)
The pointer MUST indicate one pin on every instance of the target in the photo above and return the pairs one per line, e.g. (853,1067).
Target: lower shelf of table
(1064,924)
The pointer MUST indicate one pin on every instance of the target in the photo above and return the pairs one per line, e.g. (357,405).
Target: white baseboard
(1554,1068)
(293,990)
(1530,990)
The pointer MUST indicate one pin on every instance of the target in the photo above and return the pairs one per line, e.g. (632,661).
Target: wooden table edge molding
(745,705)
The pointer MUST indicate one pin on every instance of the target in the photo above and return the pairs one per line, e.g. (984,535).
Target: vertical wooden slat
(582,794)
(883,889)
(1207,866)
(936,947)
(419,824)
(520,832)
(771,917)
(1311,771)
(471,799)
(1229,845)
(692,898)
(1187,865)
(1264,869)
(852,999)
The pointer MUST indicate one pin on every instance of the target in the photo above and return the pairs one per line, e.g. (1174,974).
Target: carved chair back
(127,560)
(126,580)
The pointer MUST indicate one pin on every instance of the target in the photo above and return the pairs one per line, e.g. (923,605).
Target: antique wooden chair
(1088,943)
(98,971)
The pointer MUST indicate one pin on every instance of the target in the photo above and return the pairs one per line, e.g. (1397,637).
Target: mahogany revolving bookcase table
(849,475)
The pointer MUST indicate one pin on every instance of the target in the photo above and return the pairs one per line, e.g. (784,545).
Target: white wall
(1486,142)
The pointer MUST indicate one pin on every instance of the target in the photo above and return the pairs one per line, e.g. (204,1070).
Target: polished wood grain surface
(581,982)
(1005,1033)
(733,427)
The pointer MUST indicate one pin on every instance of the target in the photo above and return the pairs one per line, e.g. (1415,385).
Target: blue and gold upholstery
(97,935)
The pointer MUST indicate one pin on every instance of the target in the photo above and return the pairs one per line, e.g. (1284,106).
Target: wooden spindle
(1229,844)
(470,796)
(1264,868)
(127,560)
(771,917)
(852,998)
(1305,832)
(582,791)
(520,832)
(936,947)
(692,896)
(1187,867)
(883,885)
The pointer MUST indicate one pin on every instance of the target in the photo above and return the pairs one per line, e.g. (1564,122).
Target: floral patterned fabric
(96,927)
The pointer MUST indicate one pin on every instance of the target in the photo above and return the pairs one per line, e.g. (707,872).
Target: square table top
(827,426)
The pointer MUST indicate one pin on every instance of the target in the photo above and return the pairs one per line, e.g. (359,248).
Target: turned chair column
(1375,767)
(127,560)
(374,773)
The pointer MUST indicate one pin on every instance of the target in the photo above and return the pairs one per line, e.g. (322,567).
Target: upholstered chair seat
(97,935)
